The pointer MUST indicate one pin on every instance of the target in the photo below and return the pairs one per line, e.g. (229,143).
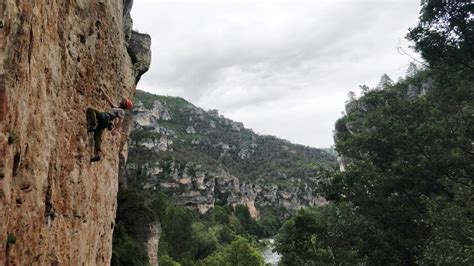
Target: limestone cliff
(201,159)
(56,208)
(354,123)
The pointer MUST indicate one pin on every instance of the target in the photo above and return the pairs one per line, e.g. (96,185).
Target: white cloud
(281,68)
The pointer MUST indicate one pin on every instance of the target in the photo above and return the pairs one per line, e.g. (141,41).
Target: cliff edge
(55,206)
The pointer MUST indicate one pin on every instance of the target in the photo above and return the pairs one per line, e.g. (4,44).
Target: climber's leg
(92,119)
(97,143)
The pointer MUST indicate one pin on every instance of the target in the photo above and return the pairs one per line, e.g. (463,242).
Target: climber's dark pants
(100,121)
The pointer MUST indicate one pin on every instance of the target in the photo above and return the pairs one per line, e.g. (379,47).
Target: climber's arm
(107,97)
(117,126)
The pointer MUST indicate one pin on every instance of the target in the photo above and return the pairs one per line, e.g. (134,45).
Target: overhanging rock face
(55,206)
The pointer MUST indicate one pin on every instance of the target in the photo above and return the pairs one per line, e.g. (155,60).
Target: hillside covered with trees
(212,140)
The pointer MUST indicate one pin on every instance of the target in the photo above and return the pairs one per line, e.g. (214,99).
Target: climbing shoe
(95,159)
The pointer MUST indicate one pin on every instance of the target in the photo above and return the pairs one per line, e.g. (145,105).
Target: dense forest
(221,236)
(406,197)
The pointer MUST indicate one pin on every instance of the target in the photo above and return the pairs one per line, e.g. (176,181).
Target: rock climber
(97,121)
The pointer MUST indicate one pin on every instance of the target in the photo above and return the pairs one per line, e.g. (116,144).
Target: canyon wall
(56,207)
(201,159)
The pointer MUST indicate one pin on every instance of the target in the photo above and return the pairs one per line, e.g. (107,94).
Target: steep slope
(55,206)
(201,159)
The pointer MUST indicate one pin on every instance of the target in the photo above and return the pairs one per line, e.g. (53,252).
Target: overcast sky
(283,68)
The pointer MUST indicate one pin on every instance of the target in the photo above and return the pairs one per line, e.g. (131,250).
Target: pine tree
(385,81)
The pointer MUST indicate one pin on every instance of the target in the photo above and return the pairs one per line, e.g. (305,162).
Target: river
(271,257)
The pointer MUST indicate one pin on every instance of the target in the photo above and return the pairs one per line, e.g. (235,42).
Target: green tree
(385,81)
(126,250)
(220,214)
(411,179)
(445,34)
(411,156)
(450,242)
(235,225)
(134,214)
(178,233)
(205,240)
(250,226)
(320,236)
(239,253)
(166,260)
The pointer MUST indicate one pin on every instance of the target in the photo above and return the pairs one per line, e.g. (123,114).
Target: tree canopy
(445,34)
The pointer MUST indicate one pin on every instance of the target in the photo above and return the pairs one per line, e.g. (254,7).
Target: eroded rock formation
(55,206)
(200,189)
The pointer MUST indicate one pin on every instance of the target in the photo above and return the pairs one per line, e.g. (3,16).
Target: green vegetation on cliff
(218,141)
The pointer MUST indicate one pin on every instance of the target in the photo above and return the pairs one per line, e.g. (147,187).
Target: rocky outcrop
(152,242)
(418,90)
(138,44)
(127,19)
(56,208)
(140,53)
(148,234)
(196,188)
(149,118)
(356,125)
(190,130)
